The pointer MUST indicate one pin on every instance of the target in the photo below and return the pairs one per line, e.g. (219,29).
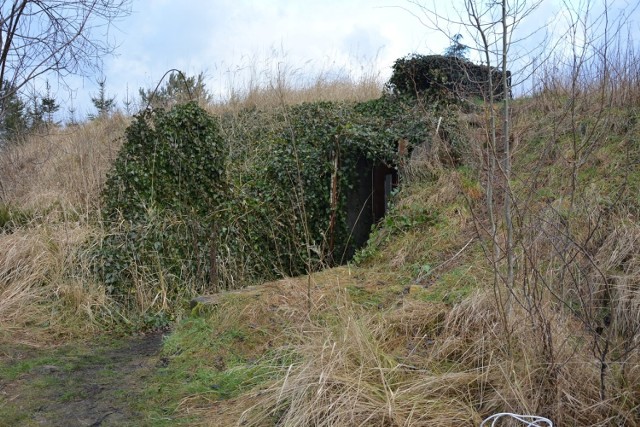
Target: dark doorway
(368,200)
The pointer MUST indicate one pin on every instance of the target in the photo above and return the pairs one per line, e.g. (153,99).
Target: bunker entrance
(368,200)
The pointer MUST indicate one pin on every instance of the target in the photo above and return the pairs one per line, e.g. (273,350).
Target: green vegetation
(423,326)
(11,217)
(447,78)
(282,198)
(187,216)
(162,203)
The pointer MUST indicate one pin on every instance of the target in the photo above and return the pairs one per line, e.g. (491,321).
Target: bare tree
(59,37)
(492,26)
(570,252)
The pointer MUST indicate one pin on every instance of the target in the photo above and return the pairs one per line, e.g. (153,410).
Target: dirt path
(78,385)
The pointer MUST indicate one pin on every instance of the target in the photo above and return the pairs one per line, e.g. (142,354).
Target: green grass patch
(71,395)
(216,355)
(176,382)
(364,297)
(12,217)
(452,287)
(11,371)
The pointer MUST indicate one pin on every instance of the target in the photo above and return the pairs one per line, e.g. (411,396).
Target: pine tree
(456,48)
(179,89)
(104,105)
(127,102)
(34,115)
(49,106)
(13,120)
(72,121)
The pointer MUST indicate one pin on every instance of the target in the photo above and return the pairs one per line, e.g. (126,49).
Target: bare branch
(60,37)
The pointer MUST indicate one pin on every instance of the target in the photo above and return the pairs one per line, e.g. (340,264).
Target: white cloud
(218,37)
(223,37)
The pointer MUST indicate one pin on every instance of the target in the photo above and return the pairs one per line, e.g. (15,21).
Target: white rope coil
(527,420)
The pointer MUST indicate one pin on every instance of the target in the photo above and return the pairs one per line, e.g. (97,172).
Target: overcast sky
(226,38)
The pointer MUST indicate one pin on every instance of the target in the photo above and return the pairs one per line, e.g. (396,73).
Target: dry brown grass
(273,83)
(415,364)
(61,172)
(321,90)
(619,258)
(347,370)
(51,184)
(41,299)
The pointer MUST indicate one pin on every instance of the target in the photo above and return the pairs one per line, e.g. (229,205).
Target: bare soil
(83,384)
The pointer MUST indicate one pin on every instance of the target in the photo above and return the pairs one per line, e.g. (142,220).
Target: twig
(457,254)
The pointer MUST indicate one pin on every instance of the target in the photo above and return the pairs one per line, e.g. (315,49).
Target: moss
(364,297)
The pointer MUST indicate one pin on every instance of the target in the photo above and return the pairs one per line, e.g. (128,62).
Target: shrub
(443,78)
(178,219)
(282,201)
(163,198)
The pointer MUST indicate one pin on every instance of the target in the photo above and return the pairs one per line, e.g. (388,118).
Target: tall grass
(50,196)
(45,294)
(61,171)
(272,81)
(567,346)
(50,206)
(427,364)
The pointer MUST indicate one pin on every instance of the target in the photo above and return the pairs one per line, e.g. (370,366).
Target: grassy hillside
(423,327)
(50,198)
(51,205)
